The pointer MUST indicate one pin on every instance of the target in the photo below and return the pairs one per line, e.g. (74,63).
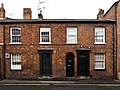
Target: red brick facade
(30,47)
(32,51)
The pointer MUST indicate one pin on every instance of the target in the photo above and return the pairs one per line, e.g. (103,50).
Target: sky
(57,9)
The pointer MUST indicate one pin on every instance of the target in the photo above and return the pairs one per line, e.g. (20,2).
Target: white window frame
(11,42)
(99,60)
(47,29)
(100,28)
(15,67)
(69,28)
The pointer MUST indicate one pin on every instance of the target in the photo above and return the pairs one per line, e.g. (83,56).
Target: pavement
(62,83)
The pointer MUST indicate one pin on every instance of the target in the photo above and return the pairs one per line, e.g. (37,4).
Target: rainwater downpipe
(4,47)
(116,33)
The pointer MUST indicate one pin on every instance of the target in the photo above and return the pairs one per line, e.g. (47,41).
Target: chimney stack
(27,13)
(100,14)
(2,11)
(40,16)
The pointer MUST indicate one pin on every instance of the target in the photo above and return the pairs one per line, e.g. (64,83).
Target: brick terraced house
(60,48)
(114,14)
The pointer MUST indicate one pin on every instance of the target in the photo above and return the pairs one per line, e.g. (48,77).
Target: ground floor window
(16,61)
(99,61)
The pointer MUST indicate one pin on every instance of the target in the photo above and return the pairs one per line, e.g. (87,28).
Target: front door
(70,65)
(45,63)
(83,64)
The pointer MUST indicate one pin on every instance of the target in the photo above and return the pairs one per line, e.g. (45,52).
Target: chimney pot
(2,5)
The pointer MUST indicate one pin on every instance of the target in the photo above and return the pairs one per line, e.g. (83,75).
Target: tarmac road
(56,87)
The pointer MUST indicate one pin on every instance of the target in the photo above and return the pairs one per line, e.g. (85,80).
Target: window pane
(45,35)
(15,35)
(99,31)
(72,35)
(71,32)
(45,38)
(99,61)
(15,39)
(99,35)
(15,31)
(72,38)
(99,38)
(16,61)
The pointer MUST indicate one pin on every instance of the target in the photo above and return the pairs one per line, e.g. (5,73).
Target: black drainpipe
(4,48)
(113,51)
(116,33)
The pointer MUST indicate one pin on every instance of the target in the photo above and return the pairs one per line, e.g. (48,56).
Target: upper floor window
(15,35)
(15,61)
(99,61)
(45,36)
(99,35)
(71,35)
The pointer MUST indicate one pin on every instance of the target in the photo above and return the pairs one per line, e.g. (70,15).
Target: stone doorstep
(47,78)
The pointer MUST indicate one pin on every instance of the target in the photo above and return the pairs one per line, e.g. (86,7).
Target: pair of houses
(60,48)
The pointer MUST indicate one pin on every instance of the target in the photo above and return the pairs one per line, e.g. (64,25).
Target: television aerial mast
(41,6)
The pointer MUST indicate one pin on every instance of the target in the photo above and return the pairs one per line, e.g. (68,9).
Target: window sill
(1,43)
(71,42)
(100,43)
(16,69)
(45,43)
(16,43)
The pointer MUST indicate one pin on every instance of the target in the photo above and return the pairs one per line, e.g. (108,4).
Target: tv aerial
(41,6)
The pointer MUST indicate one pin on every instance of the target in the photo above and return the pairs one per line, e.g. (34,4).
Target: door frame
(41,61)
(87,52)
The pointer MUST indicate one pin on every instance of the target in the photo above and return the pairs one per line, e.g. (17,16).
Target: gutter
(56,21)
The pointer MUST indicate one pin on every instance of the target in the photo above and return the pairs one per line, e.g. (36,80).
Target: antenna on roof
(41,6)
(10,15)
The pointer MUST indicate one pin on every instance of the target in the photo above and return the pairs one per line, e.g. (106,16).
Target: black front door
(83,64)
(70,65)
(45,63)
